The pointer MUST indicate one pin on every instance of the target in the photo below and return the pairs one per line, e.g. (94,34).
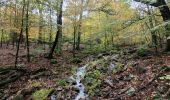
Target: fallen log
(19,73)
(4,70)
(10,79)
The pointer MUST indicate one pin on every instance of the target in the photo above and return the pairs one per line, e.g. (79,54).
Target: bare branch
(155,4)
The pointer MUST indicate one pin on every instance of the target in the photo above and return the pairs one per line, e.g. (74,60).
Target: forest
(84,49)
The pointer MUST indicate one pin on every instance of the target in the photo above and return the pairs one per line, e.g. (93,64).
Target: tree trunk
(51,28)
(40,26)
(2,37)
(165,13)
(27,32)
(21,32)
(74,39)
(153,33)
(79,27)
(59,32)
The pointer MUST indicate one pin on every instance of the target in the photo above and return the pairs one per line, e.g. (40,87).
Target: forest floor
(140,78)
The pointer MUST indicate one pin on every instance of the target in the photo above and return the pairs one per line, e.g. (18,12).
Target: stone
(131,91)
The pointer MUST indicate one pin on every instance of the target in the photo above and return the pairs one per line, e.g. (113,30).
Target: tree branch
(155,4)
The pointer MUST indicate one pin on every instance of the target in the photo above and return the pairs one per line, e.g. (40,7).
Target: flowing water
(77,77)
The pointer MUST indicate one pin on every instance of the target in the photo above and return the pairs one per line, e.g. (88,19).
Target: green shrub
(53,61)
(58,51)
(76,60)
(142,52)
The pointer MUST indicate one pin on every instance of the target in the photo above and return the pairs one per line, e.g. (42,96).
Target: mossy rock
(119,67)
(92,85)
(53,61)
(42,94)
(92,81)
(73,69)
(36,84)
(62,82)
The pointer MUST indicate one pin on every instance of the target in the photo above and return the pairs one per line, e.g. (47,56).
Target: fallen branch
(150,82)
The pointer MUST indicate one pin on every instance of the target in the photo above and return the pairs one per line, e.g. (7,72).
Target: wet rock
(99,56)
(59,89)
(128,77)
(70,80)
(130,91)
(111,67)
(53,97)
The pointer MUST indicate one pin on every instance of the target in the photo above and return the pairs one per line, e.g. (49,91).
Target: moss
(36,84)
(92,81)
(73,69)
(62,82)
(41,94)
(91,85)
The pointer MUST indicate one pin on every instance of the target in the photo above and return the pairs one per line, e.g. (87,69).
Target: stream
(77,77)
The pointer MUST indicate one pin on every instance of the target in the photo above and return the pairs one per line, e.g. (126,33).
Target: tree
(40,22)
(51,26)
(80,24)
(27,31)
(165,13)
(21,33)
(57,41)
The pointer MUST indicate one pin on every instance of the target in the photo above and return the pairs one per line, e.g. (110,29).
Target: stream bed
(76,78)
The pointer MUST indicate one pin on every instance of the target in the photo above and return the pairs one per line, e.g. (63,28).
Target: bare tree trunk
(27,32)
(51,28)
(21,34)
(40,26)
(165,13)
(79,27)
(74,39)
(2,37)
(59,32)
(15,26)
